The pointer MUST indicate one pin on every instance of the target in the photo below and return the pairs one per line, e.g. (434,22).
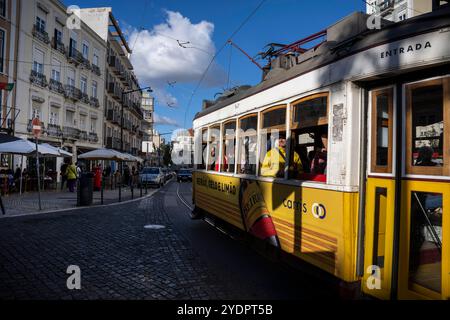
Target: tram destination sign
(412,48)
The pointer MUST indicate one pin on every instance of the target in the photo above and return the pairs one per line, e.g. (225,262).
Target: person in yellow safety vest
(275,161)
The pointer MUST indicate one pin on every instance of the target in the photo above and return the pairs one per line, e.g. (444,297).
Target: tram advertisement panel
(314,224)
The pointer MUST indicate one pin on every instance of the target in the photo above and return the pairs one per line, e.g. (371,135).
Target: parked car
(184,175)
(152,177)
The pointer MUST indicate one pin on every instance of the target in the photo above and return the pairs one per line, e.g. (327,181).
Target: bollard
(101,194)
(132,192)
(140,186)
(146,188)
(120,192)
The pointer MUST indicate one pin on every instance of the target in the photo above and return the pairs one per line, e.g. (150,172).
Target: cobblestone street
(120,259)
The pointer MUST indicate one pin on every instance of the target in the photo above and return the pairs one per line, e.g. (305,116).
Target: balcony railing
(86,64)
(94,102)
(115,91)
(113,116)
(84,136)
(113,143)
(96,70)
(56,87)
(70,132)
(93,137)
(38,79)
(73,93)
(59,46)
(85,98)
(30,126)
(40,34)
(54,131)
(74,56)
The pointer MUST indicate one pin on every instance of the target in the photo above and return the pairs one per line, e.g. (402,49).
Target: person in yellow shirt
(275,161)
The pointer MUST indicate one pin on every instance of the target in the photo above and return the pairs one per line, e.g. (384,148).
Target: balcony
(73,93)
(38,79)
(113,143)
(30,126)
(113,116)
(40,34)
(86,64)
(70,132)
(84,136)
(94,102)
(96,69)
(56,87)
(134,151)
(93,137)
(54,130)
(127,102)
(114,63)
(115,91)
(85,98)
(59,46)
(74,56)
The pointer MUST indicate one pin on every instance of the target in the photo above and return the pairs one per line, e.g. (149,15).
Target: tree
(167,154)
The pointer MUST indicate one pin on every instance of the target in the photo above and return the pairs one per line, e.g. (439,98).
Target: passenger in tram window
(319,162)
(275,160)
(425,157)
(214,165)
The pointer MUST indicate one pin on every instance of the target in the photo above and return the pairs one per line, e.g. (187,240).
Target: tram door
(424,217)
(424,254)
(380,195)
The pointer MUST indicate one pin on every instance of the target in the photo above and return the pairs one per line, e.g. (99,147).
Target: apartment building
(148,109)
(61,77)
(399,10)
(123,111)
(8,40)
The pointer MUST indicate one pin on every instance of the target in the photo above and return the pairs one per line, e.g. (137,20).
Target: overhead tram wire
(215,56)
(142,22)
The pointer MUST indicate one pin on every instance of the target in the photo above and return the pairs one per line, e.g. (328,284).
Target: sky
(173,42)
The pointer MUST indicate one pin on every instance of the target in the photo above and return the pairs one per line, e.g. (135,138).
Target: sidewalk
(16,205)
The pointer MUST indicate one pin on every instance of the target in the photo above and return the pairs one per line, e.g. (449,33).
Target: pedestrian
(71,173)
(63,175)
(98,178)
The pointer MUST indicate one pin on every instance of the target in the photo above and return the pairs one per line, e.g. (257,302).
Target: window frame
(4,14)
(427,171)
(241,134)
(322,121)
(208,155)
(224,138)
(374,168)
(270,109)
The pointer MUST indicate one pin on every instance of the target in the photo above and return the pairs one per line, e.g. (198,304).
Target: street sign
(36,127)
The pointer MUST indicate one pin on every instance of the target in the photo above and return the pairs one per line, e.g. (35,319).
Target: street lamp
(149,90)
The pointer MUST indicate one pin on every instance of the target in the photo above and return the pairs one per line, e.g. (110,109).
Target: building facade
(8,70)
(183,148)
(148,109)
(123,113)
(60,78)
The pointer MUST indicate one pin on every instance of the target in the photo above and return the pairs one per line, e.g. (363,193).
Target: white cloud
(158,58)
(162,120)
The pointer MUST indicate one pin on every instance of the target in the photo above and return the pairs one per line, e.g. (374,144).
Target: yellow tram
(341,155)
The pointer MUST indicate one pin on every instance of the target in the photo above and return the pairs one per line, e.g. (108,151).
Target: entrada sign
(400,50)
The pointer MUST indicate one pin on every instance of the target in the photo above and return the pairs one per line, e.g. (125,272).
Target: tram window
(247,144)
(228,147)
(273,143)
(426,129)
(214,142)
(309,140)
(202,165)
(425,254)
(382,131)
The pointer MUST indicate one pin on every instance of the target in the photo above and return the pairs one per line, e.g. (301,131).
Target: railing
(40,34)
(113,116)
(30,126)
(94,102)
(96,70)
(115,90)
(84,135)
(71,132)
(73,93)
(75,56)
(134,151)
(86,64)
(112,143)
(59,46)
(56,87)
(54,130)
(85,98)
(38,79)
(93,137)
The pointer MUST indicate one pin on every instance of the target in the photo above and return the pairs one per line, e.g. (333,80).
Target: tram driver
(275,160)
